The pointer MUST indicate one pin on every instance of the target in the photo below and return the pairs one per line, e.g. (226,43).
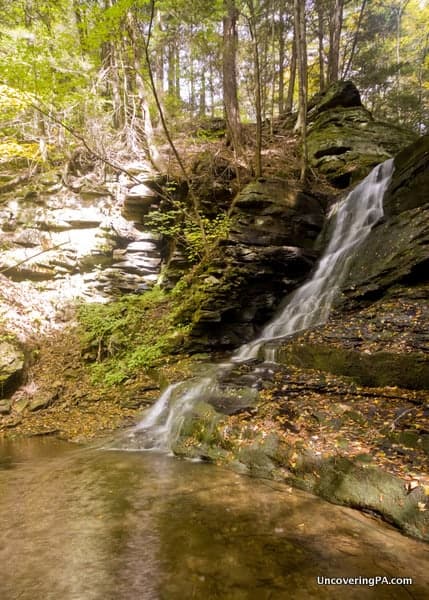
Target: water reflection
(80,524)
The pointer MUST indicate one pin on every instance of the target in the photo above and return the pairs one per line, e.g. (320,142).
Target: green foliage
(11,149)
(199,244)
(122,337)
(197,236)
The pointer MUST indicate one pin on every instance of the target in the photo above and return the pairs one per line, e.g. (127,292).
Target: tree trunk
(151,149)
(301,47)
(211,88)
(399,12)
(292,75)
(177,70)
(257,83)
(110,67)
(230,94)
(202,103)
(335,26)
(159,61)
(281,40)
(170,70)
(355,40)
(320,37)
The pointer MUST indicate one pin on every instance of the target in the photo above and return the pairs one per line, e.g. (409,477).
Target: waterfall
(350,221)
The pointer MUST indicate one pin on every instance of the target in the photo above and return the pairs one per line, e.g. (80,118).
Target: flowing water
(86,524)
(351,220)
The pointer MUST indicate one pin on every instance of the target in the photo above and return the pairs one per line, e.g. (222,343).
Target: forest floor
(331,415)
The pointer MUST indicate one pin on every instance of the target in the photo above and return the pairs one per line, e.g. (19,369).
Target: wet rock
(408,189)
(373,269)
(374,369)
(199,436)
(270,249)
(376,343)
(342,481)
(405,230)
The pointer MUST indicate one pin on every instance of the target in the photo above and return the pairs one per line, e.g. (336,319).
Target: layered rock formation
(270,249)
(83,237)
(345,142)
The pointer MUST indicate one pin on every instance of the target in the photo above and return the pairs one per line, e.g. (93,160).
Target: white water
(308,306)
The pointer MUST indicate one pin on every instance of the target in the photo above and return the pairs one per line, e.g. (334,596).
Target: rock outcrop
(86,236)
(345,142)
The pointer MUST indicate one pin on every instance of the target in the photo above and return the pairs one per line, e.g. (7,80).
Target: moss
(410,371)
(346,143)
(18,153)
(122,337)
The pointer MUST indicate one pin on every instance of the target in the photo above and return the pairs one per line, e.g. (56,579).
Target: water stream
(85,524)
(351,220)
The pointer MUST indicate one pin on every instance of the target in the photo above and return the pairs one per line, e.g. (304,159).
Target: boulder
(11,366)
(340,94)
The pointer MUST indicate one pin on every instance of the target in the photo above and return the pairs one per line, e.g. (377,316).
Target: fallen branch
(33,256)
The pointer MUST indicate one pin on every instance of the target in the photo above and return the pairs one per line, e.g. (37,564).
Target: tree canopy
(87,63)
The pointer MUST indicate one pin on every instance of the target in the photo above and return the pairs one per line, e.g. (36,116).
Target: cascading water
(350,221)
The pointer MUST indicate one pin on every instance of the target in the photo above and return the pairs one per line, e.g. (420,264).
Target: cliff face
(344,411)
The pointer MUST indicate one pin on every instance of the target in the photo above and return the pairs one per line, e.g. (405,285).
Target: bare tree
(230,93)
(335,25)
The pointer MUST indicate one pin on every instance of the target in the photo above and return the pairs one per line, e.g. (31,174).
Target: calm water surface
(86,524)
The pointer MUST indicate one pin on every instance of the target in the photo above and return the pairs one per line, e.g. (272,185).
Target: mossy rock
(410,371)
(198,435)
(342,481)
(345,144)
(341,93)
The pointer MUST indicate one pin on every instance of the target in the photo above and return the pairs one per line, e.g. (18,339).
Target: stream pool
(90,524)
